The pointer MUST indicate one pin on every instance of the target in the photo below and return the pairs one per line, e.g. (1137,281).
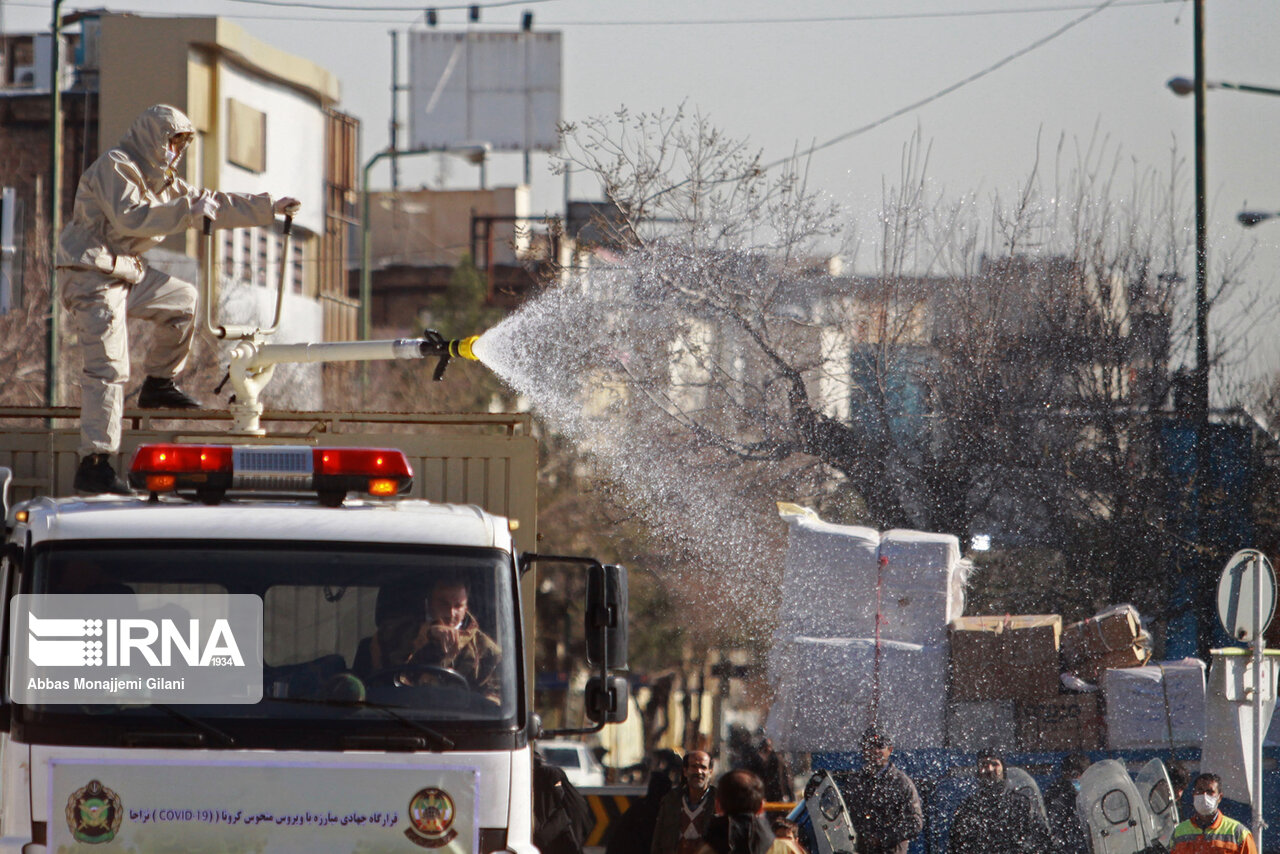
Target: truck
(320,735)
(314,637)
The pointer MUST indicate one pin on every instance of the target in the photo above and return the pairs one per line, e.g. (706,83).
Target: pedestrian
(997,819)
(1208,830)
(741,828)
(1179,779)
(127,202)
(561,818)
(685,812)
(1068,832)
(773,769)
(789,832)
(884,806)
(632,833)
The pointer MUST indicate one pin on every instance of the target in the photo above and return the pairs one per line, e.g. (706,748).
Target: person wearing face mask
(1068,832)
(128,201)
(1209,830)
(997,819)
(884,806)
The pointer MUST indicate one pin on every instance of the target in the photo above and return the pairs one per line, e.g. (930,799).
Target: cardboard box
(1113,630)
(988,725)
(1005,658)
(1091,670)
(1067,722)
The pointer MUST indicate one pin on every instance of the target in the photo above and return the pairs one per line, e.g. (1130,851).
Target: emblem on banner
(94,813)
(431,818)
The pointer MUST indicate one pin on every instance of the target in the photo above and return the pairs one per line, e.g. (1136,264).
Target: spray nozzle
(435,344)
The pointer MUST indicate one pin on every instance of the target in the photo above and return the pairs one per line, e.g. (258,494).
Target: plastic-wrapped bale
(923,585)
(983,725)
(825,690)
(827,574)
(838,575)
(1158,705)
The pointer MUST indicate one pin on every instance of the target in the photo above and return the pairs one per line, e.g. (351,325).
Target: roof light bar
(211,470)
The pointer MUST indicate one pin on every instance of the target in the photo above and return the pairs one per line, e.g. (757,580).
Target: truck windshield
(357,639)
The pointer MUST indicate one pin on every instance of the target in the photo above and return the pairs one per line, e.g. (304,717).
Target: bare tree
(1000,364)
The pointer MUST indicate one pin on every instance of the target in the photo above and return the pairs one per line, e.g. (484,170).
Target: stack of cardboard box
(1005,690)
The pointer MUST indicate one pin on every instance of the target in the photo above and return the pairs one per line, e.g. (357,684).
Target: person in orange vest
(1209,830)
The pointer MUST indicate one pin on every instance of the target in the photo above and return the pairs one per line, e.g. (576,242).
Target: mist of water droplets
(594,358)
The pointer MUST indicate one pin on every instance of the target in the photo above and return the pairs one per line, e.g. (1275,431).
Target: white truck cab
(360,741)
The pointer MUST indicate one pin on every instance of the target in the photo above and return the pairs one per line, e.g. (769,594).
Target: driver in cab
(451,638)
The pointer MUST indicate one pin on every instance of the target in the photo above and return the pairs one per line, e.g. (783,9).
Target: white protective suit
(127,202)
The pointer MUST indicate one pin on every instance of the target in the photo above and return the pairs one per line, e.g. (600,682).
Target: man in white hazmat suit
(127,202)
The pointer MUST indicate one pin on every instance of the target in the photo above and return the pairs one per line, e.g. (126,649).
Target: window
(246,136)
(348,633)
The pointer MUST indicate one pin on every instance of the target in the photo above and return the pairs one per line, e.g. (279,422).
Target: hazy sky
(806,71)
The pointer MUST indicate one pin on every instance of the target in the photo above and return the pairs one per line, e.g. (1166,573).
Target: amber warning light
(210,471)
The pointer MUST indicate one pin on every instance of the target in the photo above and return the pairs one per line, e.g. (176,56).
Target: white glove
(205,206)
(287,206)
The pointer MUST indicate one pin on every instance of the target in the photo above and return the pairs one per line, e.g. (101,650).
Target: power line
(828,19)
(419,8)
(691,22)
(1038,43)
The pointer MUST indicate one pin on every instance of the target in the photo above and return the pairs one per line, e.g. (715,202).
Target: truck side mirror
(607,698)
(6,478)
(606,617)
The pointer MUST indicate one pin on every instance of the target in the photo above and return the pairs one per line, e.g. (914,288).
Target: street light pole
(476,154)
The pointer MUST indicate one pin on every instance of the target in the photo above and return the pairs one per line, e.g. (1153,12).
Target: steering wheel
(392,675)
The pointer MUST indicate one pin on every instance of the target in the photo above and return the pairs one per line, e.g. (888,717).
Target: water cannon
(253,357)
(435,344)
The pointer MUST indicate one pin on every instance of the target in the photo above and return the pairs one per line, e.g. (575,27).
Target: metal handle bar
(221,331)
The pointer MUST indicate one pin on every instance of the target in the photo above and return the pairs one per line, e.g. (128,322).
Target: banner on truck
(274,807)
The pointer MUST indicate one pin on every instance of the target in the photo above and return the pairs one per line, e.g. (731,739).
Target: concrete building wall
(428,228)
(295,133)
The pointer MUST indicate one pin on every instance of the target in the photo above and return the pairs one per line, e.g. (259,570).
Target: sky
(788,75)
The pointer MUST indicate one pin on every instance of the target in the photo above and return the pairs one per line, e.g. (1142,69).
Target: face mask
(1206,804)
(1075,784)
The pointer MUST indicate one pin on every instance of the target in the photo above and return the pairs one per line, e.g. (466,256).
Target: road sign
(1247,581)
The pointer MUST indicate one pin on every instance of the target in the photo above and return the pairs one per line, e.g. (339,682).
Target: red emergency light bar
(212,470)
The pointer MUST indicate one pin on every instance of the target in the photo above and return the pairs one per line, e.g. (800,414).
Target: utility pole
(395,110)
(55,207)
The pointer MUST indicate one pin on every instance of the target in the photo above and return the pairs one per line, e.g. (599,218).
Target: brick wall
(24,161)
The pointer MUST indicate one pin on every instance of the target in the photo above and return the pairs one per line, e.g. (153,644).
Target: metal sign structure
(1248,575)
(467,88)
(1246,604)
